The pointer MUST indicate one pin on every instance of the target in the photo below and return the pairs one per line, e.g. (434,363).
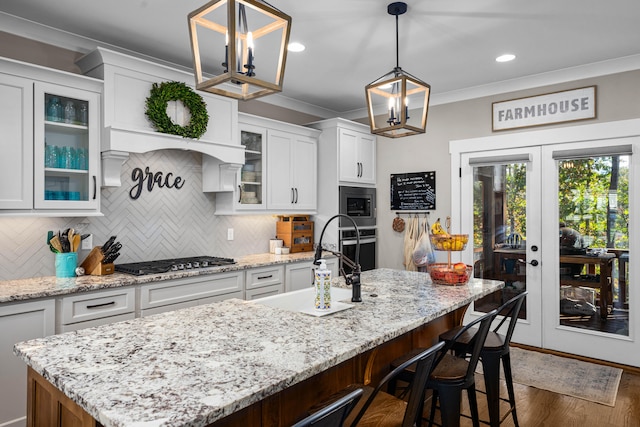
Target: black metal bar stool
(452,374)
(334,414)
(496,348)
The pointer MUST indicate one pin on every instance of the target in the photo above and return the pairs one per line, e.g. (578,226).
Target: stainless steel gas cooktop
(174,264)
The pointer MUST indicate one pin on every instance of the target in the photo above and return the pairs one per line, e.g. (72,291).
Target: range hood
(125,128)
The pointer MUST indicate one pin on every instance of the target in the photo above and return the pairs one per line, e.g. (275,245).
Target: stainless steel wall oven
(367,247)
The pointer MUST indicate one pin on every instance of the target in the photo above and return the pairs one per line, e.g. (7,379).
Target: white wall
(617,99)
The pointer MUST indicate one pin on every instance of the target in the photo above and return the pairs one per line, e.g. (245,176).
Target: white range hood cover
(125,127)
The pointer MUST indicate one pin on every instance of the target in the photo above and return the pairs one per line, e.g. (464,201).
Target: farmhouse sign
(557,107)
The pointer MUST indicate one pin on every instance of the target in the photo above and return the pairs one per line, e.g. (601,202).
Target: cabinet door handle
(265,277)
(292,196)
(104,304)
(296,195)
(239,193)
(95,187)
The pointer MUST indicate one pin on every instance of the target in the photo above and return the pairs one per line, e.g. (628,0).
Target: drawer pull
(104,304)
(265,277)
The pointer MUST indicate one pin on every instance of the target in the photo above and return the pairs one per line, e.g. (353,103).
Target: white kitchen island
(236,362)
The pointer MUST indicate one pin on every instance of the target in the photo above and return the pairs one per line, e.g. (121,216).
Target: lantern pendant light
(389,96)
(237,29)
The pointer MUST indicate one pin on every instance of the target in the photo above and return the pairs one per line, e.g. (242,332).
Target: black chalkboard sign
(413,191)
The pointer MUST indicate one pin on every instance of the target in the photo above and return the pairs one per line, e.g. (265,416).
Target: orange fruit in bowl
(460,267)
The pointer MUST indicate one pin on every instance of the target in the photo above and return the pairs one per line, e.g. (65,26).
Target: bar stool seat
(495,349)
(380,409)
(452,374)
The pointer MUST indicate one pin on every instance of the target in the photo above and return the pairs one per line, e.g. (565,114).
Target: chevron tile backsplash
(162,223)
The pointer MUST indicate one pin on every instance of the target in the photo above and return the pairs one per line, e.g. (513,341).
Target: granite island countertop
(50,286)
(194,366)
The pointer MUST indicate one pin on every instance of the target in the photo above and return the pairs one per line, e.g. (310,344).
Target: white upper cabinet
(49,122)
(347,154)
(16,130)
(291,172)
(66,148)
(357,151)
(280,172)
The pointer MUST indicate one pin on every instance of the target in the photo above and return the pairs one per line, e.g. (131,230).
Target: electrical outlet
(229,233)
(87,244)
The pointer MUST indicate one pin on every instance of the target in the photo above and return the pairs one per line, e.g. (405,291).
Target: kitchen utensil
(111,258)
(49,237)
(55,242)
(63,237)
(398,224)
(113,249)
(108,244)
(76,243)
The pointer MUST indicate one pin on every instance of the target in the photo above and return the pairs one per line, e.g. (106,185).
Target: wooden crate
(296,232)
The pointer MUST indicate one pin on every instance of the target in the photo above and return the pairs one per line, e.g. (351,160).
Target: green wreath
(157,103)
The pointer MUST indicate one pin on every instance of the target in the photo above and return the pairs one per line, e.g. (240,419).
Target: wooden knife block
(93,265)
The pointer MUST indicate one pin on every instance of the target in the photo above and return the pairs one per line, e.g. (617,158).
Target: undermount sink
(303,301)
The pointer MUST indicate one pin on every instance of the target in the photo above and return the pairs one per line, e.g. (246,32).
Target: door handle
(296,195)
(95,187)
(239,193)
(292,196)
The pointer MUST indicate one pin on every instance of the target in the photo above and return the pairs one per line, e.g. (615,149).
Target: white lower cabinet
(263,282)
(301,275)
(19,322)
(170,295)
(87,310)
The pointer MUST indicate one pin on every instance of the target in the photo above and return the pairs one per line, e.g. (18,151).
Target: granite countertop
(194,366)
(49,286)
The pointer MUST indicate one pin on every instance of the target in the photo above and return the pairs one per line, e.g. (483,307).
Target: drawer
(93,323)
(96,305)
(192,303)
(264,276)
(266,291)
(190,288)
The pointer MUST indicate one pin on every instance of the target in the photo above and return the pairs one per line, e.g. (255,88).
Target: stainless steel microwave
(360,204)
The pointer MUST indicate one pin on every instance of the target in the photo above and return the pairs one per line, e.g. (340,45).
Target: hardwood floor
(541,408)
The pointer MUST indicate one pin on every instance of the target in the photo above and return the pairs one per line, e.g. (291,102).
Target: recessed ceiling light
(506,57)
(295,47)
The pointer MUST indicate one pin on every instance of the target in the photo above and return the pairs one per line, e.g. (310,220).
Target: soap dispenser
(323,286)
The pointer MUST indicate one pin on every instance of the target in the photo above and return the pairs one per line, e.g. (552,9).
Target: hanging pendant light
(237,29)
(389,96)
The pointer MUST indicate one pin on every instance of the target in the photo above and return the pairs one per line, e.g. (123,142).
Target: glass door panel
(593,209)
(500,230)
(251,179)
(588,303)
(65,148)
(500,205)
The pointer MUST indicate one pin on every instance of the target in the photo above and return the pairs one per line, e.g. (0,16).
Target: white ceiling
(449,44)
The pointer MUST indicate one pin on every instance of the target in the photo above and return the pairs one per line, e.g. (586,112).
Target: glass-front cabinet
(65,148)
(250,189)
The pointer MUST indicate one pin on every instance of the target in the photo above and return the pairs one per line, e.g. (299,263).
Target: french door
(552,213)
(501,198)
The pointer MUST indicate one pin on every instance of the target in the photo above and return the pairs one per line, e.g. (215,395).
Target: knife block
(93,265)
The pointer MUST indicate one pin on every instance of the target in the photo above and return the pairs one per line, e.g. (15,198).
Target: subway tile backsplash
(165,222)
